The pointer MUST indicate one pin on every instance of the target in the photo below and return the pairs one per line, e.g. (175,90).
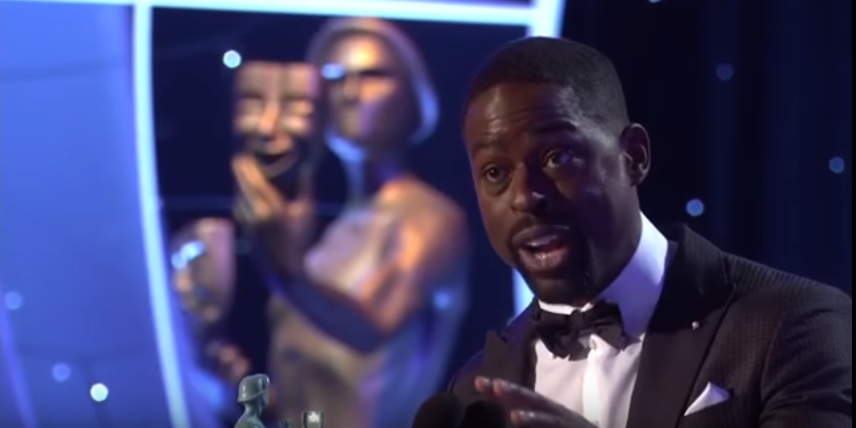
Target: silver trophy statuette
(313,419)
(253,394)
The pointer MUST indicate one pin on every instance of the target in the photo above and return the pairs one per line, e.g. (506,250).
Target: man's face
(276,105)
(367,91)
(556,190)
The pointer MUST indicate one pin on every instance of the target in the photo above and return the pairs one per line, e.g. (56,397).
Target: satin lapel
(509,355)
(696,295)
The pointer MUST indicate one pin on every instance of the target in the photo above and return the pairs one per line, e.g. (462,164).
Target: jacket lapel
(509,355)
(696,294)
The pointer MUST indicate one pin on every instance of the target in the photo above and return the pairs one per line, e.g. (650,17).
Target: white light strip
(19,390)
(159,290)
(99,2)
(478,13)
(547,17)
(522,294)
(389,9)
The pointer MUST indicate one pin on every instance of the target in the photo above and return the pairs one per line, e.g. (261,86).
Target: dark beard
(569,289)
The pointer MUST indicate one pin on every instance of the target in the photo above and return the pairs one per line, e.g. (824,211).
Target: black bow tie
(561,333)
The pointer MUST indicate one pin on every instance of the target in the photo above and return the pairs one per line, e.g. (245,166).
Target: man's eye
(494,174)
(558,158)
(250,105)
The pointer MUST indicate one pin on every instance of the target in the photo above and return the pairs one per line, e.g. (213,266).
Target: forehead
(300,79)
(275,79)
(255,75)
(517,107)
(360,51)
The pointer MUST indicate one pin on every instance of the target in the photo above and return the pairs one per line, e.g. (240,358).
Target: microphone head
(443,410)
(485,414)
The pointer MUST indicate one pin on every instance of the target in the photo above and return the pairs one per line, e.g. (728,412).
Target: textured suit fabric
(780,344)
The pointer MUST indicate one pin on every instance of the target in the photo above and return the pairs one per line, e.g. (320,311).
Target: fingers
(528,408)
(252,180)
(527,419)
(239,168)
(251,170)
(253,183)
(564,419)
(515,397)
(484,385)
(258,200)
(242,211)
(233,364)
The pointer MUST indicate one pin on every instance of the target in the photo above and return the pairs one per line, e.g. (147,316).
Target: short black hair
(564,63)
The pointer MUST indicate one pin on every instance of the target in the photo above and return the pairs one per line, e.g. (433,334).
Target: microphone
(443,410)
(485,414)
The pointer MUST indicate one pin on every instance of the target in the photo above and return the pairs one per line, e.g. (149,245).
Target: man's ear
(637,152)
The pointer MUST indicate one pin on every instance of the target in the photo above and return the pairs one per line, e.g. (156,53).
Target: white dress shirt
(599,385)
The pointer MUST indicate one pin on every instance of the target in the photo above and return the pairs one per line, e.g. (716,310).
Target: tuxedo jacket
(780,345)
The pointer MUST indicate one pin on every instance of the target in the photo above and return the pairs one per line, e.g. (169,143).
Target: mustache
(529,222)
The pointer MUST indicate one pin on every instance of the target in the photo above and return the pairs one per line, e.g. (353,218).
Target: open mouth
(544,244)
(544,249)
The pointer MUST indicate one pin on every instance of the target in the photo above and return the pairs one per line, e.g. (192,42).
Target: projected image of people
(363,318)
(276,122)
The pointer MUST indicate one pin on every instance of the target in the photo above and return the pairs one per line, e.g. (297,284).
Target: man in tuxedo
(632,325)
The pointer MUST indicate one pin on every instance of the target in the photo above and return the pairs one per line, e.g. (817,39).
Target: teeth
(542,241)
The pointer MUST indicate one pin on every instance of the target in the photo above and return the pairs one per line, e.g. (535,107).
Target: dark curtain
(749,108)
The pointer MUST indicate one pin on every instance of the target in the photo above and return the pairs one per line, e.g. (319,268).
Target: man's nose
(268,121)
(350,89)
(528,195)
